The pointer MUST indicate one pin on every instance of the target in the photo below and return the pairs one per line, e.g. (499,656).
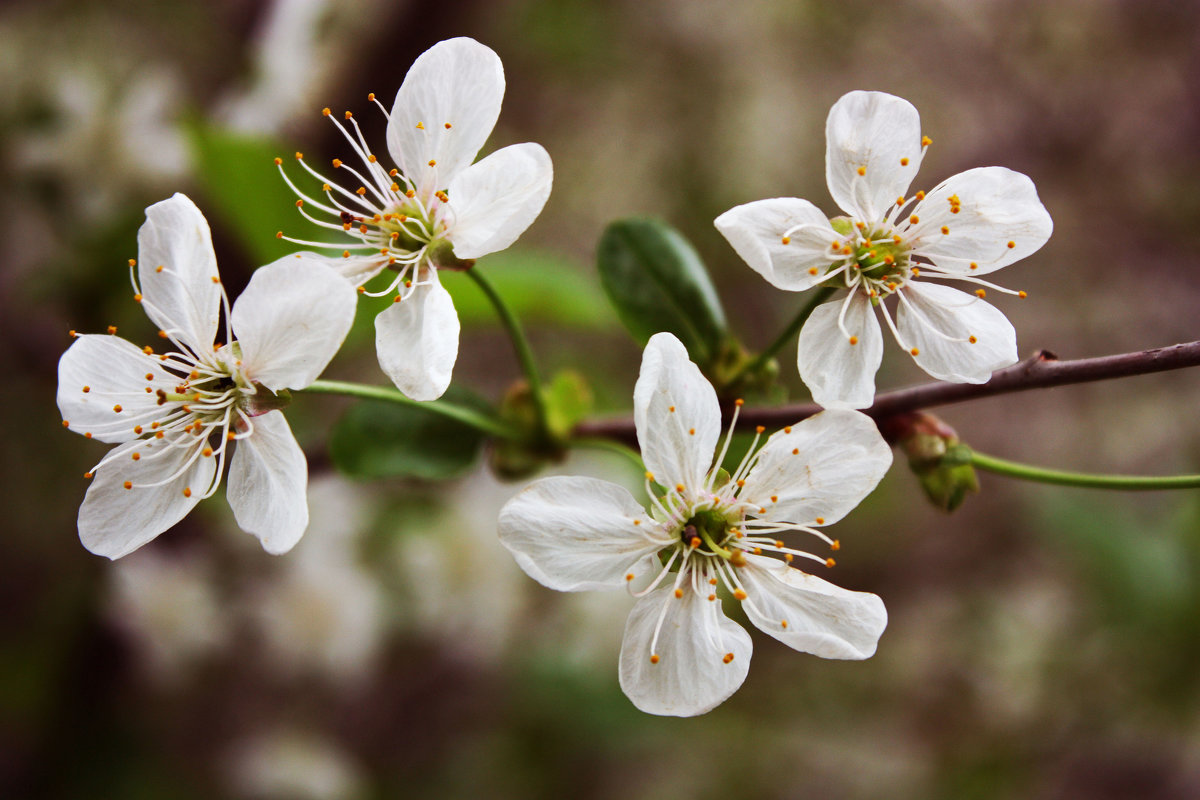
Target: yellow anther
(889,260)
(712,581)
(133,262)
(206,452)
(187,492)
(945,230)
(278,234)
(433,162)
(371,158)
(775,499)
(649,476)
(694,542)
(739,402)
(812,270)
(904,162)
(1011,245)
(337,163)
(112,329)
(712,597)
(783,623)
(788,429)
(920,195)
(728,657)
(117,408)
(787,557)
(786,240)
(916,272)
(654,659)
(795,451)
(679,487)
(326,111)
(348,115)
(136,456)
(1022,295)
(691,431)
(420,126)
(974,265)
(370,97)
(86,389)
(862,171)
(829,562)
(325,187)
(853,340)
(395,187)
(361,190)
(914,219)
(900,200)
(629,576)
(980,293)
(72,333)
(821,521)
(915,351)
(637,522)
(972,339)
(128,485)
(926,141)
(448,126)
(741,483)
(88,474)
(278,161)
(897,239)
(739,594)
(678,593)
(759,429)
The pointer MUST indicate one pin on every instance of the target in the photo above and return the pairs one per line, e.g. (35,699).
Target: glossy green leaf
(376,439)
(657,282)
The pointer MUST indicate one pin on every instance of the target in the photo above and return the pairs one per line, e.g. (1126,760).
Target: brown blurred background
(1043,643)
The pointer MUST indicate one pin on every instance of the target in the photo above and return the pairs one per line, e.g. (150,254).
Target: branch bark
(1040,371)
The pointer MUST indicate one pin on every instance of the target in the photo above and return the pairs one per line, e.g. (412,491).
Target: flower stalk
(1026,472)
(466,416)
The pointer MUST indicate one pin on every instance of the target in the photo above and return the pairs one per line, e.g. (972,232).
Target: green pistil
(713,529)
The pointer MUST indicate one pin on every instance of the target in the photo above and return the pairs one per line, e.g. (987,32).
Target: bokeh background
(1043,643)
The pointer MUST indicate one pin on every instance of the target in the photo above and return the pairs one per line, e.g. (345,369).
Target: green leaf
(241,184)
(657,282)
(539,287)
(375,439)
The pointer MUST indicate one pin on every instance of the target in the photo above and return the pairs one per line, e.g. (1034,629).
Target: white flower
(174,417)
(681,655)
(435,209)
(969,225)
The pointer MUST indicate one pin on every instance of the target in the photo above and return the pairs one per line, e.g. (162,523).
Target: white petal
(115,521)
(268,477)
(356,269)
(573,534)
(114,372)
(291,320)
(757,230)
(695,637)
(459,82)
(182,298)
(959,316)
(676,414)
(879,134)
(841,457)
(495,200)
(821,618)
(417,340)
(840,374)
(996,206)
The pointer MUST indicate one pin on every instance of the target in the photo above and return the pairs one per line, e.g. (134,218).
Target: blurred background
(1043,643)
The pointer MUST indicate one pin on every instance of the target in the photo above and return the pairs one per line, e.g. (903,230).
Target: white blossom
(967,226)
(174,417)
(434,209)
(709,532)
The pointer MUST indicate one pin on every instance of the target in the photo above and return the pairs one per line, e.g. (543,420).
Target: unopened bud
(941,463)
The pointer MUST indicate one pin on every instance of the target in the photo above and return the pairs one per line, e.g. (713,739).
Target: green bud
(941,463)
(264,400)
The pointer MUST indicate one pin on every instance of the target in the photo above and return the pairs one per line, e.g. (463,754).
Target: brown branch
(1040,371)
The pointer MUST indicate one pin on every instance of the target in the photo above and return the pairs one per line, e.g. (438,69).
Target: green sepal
(375,439)
(657,282)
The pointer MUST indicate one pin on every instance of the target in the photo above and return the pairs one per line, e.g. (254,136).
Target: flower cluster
(708,534)
(967,226)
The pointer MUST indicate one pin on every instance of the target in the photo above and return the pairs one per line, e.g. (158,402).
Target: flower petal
(840,374)
(872,152)
(692,638)
(115,521)
(114,374)
(676,414)
(820,468)
(184,296)
(356,269)
(291,320)
(573,534)
(940,322)
(268,478)
(757,231)
(417,340)
(996,208)
(495,200)
(820,618)
(444,111)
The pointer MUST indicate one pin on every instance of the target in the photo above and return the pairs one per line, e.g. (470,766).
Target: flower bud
(941,463)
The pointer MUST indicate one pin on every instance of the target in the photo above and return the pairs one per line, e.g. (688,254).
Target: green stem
(716,548)
(1128,482)
(611,446)
(520,345)
(819,297)
(467,416)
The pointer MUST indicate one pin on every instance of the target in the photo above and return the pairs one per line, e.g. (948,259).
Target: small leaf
(657,282)
(376,439)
